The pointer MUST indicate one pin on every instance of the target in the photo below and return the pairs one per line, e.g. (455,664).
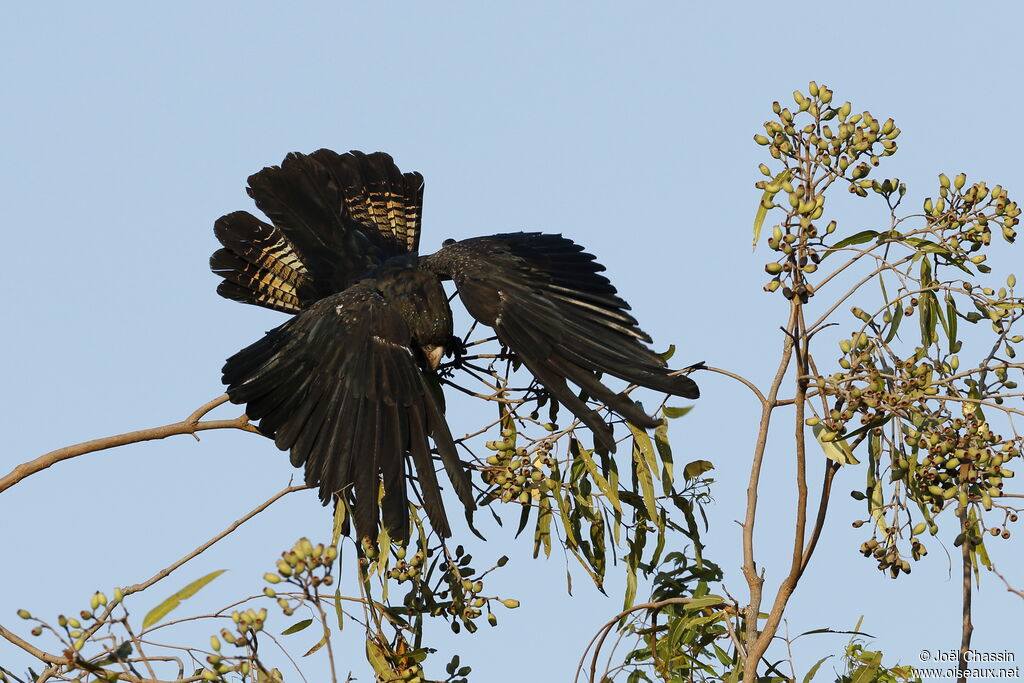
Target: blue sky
(127,128)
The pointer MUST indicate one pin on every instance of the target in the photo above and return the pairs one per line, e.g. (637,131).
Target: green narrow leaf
(982,557)
(507,421)
(951,317)
(866,674)
(927,247)
(384,545)
(377,656)
(675,633)
(709,619)
(928,311)
(524,517)
(296,627)
(602,483)
(941,316)
(339,519)
(814,669)
(643,477)
(876,506)
(323,641)
(837,450)
(659,547)
(665,453)
(762,212)
(858,238)
(563,511)
(897,318)
(692,530)
(926,272)
(168,605)
(616,527)
(646,448)
(832,630)
(673,413)
(974,408)
(705,601)
(613,476)
(586,567)
(337,608)
(630,584)
(597,530)
(923,320)
(542,536)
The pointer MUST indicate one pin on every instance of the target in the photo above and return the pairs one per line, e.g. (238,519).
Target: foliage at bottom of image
(393,593)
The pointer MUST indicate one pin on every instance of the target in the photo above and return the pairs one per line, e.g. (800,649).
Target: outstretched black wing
(339,385)
(546,301)
(335,217)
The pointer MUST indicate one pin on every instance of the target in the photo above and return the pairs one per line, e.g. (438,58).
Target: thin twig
(831,468)
(1010,588)
(166,571)
(743,380)
(966,627)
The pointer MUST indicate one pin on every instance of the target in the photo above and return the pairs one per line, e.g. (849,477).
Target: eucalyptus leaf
(296,627)
(857,238)
(171,603)
(837,450)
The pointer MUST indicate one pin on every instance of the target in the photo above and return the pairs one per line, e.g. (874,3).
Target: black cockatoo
(347,383)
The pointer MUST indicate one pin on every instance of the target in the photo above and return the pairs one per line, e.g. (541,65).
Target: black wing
(335,217)
(544,298)
(339,386)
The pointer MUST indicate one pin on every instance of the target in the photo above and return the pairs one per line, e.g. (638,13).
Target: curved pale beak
(433,354)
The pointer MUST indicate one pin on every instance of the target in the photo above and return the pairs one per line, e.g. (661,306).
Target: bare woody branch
(189,425)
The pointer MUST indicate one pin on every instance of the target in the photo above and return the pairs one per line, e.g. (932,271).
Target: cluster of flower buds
(463,598)
(966,216)
(306,565)
(247,623)
(406,569)
(854,135)
(833,143)
(888,556)
(512,472)
(963,460)
(74,628)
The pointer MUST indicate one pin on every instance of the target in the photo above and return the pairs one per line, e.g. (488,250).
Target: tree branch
(166,571)
(189,425)
(819,523)
(743,380)
(755,582)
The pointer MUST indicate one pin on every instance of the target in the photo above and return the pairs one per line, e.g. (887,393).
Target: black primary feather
(547,302)
(347,385)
